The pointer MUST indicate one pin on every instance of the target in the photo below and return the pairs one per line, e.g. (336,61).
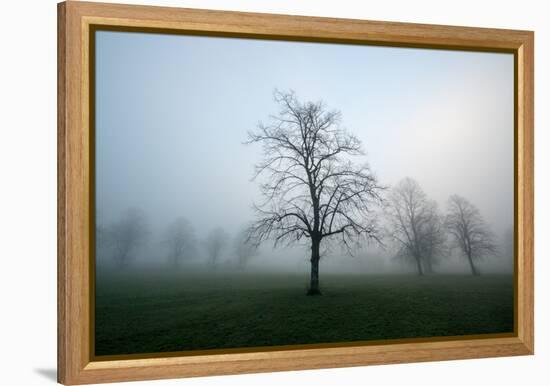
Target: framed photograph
(247,192)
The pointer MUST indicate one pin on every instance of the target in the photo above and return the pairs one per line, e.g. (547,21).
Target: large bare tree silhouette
(312,190)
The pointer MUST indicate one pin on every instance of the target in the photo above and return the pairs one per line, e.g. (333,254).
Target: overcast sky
(173,111)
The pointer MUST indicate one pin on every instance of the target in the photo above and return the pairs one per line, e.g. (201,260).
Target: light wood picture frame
(77,22)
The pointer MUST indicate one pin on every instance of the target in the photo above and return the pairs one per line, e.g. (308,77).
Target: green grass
(151,312)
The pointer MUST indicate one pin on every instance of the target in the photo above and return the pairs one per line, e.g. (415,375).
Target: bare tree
(214,244)
(470,232)
(244,248)
(416,225)
(434,244)
(180,240)
(312,189)
(126,235)
(102,239)
(102,244)
(507,250)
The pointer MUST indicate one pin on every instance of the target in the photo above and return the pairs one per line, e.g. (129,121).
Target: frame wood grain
(76,365)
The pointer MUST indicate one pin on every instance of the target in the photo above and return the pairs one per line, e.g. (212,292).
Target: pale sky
(173,111)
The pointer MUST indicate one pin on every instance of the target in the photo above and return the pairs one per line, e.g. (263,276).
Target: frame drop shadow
(50,373)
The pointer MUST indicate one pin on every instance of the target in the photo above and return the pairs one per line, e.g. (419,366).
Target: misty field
(151,312)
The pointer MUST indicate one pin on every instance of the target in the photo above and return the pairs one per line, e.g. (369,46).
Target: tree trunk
(428,267)
(419,267)
(314,279)
(473,268)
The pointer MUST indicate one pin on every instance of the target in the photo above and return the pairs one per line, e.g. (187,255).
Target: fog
(172,115)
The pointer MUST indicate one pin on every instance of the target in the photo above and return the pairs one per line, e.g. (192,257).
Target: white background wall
(28,190)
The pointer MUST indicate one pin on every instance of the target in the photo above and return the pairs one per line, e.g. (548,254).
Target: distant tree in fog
(244,248)
(102,243)
(435,240)
(508,250)
(312,189)
(128,234)
(181,241)
(214,244)
(416,226)
(101,236)
(469,231)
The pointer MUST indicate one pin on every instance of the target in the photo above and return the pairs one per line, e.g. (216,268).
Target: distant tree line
(123,239)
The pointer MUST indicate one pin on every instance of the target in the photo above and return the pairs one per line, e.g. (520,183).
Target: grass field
(152,312)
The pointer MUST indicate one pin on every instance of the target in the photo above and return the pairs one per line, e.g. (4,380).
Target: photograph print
(254,193)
